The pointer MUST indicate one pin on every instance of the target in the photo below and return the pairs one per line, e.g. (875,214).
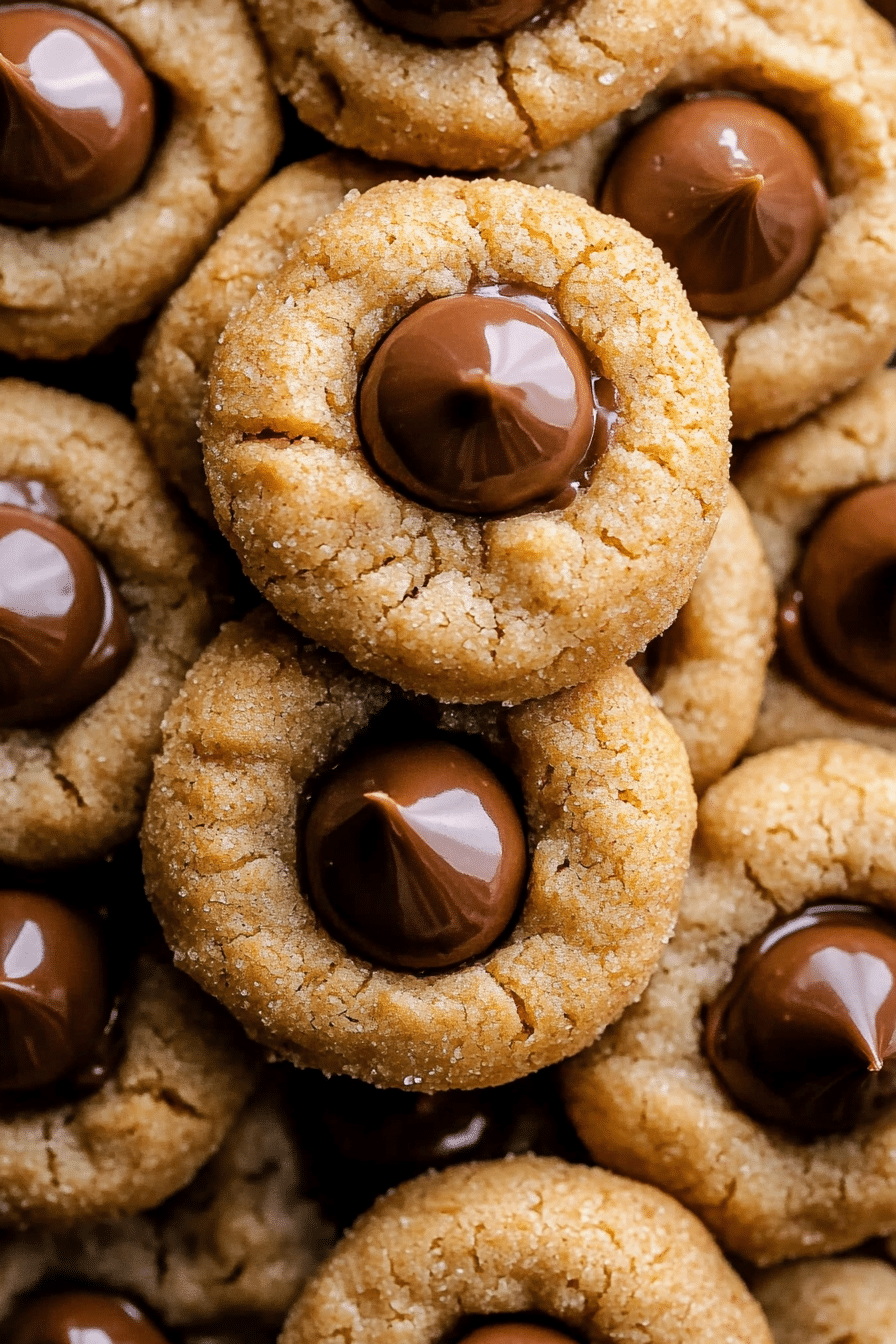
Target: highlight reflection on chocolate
(837,624)
(415,855)
(64,634)
(76,115)
(732,195)
(450,21)
(78,1317)
(805,1033)
(485,403)
(54,997)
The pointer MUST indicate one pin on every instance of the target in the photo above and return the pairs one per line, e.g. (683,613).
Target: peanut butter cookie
(245,848)
(602,1258)
(784,1149)
(115,181)
(823,498)
(103,606)
(561,529)
(431,96)
(830,1301)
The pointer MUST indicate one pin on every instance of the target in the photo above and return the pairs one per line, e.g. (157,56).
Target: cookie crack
(504,76)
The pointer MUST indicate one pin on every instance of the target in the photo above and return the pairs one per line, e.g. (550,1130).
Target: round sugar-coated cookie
(791,481)
(810,822)
(183,1074)
(830,1301)
(468,106)
(460,606)
(235,1245)
(591,1255)
(830,69)
(72,788)
(609,814)
(174,363)
(67,286)
(707,672)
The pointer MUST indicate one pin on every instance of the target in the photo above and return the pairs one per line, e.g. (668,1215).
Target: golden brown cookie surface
(828,1301)
(800,824)
(790,481)
(71,791)
(471,107)
(597,1255)
(63,290)
(609,811)
(461,607)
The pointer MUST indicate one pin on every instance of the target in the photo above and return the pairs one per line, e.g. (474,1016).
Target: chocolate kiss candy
(515,1332)
(76,116)
(64,634)
(805,1033)
(82,1318)
(54,1001)
(484,403)
(415,856)
(731,194)
(837,625)
(450,21)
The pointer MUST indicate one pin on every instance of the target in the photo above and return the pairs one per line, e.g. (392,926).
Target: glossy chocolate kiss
(415,855)
(731,194)
(54,999)
(485,403)
(805,1034)
(76,116)
(450,21)
(837,624)
(81,1318)
(64,633)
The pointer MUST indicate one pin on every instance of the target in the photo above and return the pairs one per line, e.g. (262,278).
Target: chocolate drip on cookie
(415,855)
(54,997)
(837,623)
(805,1034)
(732,195)
(454,21)
(75,1317)
(64,633)
(485,403)
(76,116)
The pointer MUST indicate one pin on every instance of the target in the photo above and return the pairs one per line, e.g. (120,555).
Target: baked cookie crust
(600,1255)
(797,824)
(831,68)
(830,1302)
(185,1072)
(610,812)
(457,607)
(788,481)
(175,361)
(480,106)
(64,290)
(712,660)
(71,792)
(235,1245)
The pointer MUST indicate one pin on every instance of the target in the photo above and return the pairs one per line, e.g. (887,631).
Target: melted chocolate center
(54,998)
(415,855)
(485,403)
(731,194)
(805,1034)
(516,1332)
(837,624)
(64,633)
(81,1318)
(452,21)
(76,116)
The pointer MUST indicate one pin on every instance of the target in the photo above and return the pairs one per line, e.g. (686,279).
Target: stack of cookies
(375,607)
